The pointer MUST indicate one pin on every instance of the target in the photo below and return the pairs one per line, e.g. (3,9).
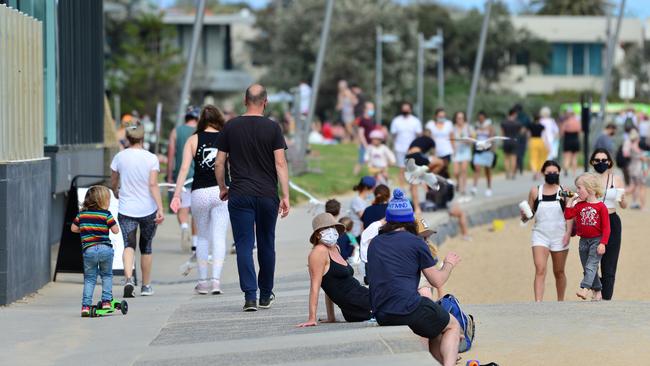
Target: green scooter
(97,311)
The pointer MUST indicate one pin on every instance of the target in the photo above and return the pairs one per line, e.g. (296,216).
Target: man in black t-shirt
(255,147)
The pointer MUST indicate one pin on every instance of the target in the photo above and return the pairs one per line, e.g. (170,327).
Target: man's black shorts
(428,320)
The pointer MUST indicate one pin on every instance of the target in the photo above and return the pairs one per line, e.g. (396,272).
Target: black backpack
(621,160)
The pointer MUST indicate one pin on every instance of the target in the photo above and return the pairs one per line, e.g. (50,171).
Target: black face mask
(601,167)
(552,178)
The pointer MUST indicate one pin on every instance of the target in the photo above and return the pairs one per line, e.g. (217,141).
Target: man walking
(404,128)
(255,148)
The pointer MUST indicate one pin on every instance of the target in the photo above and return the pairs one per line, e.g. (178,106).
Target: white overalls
(550,224)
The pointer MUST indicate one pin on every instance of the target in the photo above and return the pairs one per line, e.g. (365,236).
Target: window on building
(595,59)
(559,56)
(578,59)
(575,59)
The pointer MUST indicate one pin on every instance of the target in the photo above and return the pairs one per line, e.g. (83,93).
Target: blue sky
(636,8)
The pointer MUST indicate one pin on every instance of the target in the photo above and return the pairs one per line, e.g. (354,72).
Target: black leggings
(610,259)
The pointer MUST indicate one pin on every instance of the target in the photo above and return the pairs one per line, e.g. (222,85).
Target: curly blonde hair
(591,182)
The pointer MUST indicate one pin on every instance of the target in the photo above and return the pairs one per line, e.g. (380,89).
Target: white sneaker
(146,290)
(186,239)
(216,287)
(473,191)
(488,193)
(202,288)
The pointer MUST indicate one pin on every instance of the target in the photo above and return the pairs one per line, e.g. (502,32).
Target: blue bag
(450,303)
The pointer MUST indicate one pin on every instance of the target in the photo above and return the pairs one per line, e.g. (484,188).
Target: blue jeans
(590,260)
(254,217)
(98,260)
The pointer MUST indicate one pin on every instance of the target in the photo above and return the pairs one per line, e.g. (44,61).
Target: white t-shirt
(134,167)
(441,137)
(366,236)
(405,130)
(379,156)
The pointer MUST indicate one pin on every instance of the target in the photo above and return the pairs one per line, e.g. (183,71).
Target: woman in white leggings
(209,212)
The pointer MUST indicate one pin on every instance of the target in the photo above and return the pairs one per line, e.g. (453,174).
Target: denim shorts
(129,226)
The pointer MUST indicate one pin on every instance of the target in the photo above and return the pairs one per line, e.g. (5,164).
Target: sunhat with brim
(423,228)
(323,221)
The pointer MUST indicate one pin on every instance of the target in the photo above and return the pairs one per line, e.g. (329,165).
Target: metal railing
(21,86)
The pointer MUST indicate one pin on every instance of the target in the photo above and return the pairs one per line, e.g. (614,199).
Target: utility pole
(609,63)
(441,69)
(299,160)
(479,61)
(420,80)
(381,38)
(196,36)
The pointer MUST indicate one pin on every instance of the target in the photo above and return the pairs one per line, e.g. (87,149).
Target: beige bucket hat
(322,221)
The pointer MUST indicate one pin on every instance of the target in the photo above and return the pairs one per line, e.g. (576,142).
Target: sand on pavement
(497,268)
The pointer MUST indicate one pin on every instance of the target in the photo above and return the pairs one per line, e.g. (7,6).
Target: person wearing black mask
(614,188)
(551,232)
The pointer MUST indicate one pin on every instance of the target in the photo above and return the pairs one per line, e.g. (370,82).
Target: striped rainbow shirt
(94,227)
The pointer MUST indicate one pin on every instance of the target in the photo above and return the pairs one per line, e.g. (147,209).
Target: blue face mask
(371,113)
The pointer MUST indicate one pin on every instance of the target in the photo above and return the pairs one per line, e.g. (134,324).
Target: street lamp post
(380,39)
(433,43)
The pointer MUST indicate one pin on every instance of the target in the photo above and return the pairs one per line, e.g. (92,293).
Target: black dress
(346,292)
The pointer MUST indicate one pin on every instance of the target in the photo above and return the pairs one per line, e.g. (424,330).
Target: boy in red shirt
(592,225)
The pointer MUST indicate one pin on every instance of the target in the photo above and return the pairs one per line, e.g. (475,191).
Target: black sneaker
(266,303)
(129,286)
(250,305)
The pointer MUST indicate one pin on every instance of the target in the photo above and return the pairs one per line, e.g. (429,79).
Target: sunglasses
(600,160)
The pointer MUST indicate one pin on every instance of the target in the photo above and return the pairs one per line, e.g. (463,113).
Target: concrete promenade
(176,327)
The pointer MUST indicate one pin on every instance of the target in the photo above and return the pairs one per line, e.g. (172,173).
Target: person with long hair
(210,212)
(377,210)
(463,151)
(483,159)
(613,197)
(358,204)
(551,233)
(511,128)
(329,271)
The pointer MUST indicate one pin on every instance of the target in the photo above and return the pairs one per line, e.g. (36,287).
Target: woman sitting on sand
(329,271)
(551,233)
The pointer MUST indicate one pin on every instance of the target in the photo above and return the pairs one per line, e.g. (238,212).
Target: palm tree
(570,7)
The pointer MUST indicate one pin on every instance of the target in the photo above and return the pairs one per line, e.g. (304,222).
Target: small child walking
(349,251)
(379,157)
(93,223)
(592,225)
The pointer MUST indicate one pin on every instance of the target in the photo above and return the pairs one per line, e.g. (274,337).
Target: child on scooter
(93,224)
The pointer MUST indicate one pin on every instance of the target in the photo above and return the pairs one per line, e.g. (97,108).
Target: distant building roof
(579,28)
(174,16)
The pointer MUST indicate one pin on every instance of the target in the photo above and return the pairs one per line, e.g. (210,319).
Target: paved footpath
(176,327)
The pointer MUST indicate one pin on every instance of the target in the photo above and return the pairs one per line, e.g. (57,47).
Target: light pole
(380,40)
(441,69)
(478,62)
(435,42)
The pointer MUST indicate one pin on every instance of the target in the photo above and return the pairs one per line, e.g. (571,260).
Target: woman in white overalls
(551,232)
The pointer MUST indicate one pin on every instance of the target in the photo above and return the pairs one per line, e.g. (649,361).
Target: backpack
(621,160)
(450,303)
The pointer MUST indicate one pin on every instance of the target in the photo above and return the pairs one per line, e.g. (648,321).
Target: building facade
(578,53)
(68,109)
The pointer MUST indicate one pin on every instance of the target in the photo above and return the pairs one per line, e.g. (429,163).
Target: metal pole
(610,61)
(196,36)
(319,64)
(420,80)
(378,77)
(117,113)
(441,70)
(479,61)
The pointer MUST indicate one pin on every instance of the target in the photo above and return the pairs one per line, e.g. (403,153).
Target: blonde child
(425,288)
(592,225)
(349,244)
(93,223)
(378,156)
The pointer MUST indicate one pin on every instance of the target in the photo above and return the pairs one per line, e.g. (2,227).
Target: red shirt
(591,220)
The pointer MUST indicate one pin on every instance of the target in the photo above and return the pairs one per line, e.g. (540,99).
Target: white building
(577,60)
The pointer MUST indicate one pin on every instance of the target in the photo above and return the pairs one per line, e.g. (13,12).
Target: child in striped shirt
(93,223)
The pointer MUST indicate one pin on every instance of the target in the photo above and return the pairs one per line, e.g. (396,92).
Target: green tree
(289,40)
(143,67)
(570,7)
(213,6)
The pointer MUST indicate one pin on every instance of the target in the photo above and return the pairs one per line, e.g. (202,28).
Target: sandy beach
(497,267)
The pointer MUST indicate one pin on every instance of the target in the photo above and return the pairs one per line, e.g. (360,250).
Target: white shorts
(400,156)
(551,239)
(186,198)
